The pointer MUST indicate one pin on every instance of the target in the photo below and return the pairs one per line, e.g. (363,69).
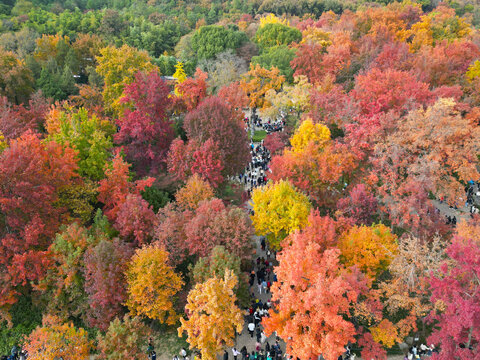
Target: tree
(16,80)
(370,248)
(152,285)
(54,340)
(192,90)
(292,98)
(382,91)
(214,119)
(146,131)
(437,157)
(113,190)
(135,220)
(309,133)
(213,224)
(279,209)
(124,339)
(407,293)
(31,175)
(314,296)
(216,265)
(66,279)
(89,135)
(212,315)
(455,293)
(211,40)
(258,81)
(360,205)
(274,34)
(279,57)
(119,66)
(320,170)
(206,160)
(105,265)
(224,69)
(234,95)
(170,233)
(194,191)
(17,119)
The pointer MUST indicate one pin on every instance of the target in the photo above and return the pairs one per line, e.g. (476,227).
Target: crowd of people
(15,354)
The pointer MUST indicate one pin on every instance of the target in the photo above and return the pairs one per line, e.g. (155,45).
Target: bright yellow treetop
(213,316)
(308,133)
(272,19)
(279,209)
(152,285)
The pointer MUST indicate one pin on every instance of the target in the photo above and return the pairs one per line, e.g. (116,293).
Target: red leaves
(214,119)
(113,190)
(206,160)
(31,174)
(456,296)
(146,130)
(105,265)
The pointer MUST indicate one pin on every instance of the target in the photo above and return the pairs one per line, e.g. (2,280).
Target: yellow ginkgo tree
(279,209)
(213,316)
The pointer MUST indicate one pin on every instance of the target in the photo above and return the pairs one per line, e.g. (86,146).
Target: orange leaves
(370,248)
(152,285)
(194,191)
(213,316)
(258,81)
(385,333)
(54,340)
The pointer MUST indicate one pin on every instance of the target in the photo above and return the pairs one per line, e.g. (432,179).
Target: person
(183,353)
(175,357)
(225,355)
(154,355)
(263,337)
(244,352)
(235,353)
(251,328)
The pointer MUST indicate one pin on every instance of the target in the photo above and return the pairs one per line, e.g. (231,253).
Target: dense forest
(127,129)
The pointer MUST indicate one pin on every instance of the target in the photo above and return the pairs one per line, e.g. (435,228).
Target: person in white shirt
(251,328)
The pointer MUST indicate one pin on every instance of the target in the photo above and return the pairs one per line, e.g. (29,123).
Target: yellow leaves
(119,66)
(316,35)
(385,333)
(370,248)
(473,71)
(272,19)
(292,97)
(279,210)
(152,285)
(308,133)
(3,142)
(441,24)
(213,316)
(47,46)
(180,75)
(193,192)
(258,82)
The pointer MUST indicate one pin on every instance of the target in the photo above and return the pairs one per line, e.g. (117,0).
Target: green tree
(90,137)
(279,57)
(211,40)
(276,34)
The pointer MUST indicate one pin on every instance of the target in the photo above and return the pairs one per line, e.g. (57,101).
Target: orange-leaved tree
(56,340)
(152,285)
(213,316)
(371,248)
(194,191)
(258,81)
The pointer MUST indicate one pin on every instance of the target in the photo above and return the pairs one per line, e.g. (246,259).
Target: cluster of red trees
(382,119)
